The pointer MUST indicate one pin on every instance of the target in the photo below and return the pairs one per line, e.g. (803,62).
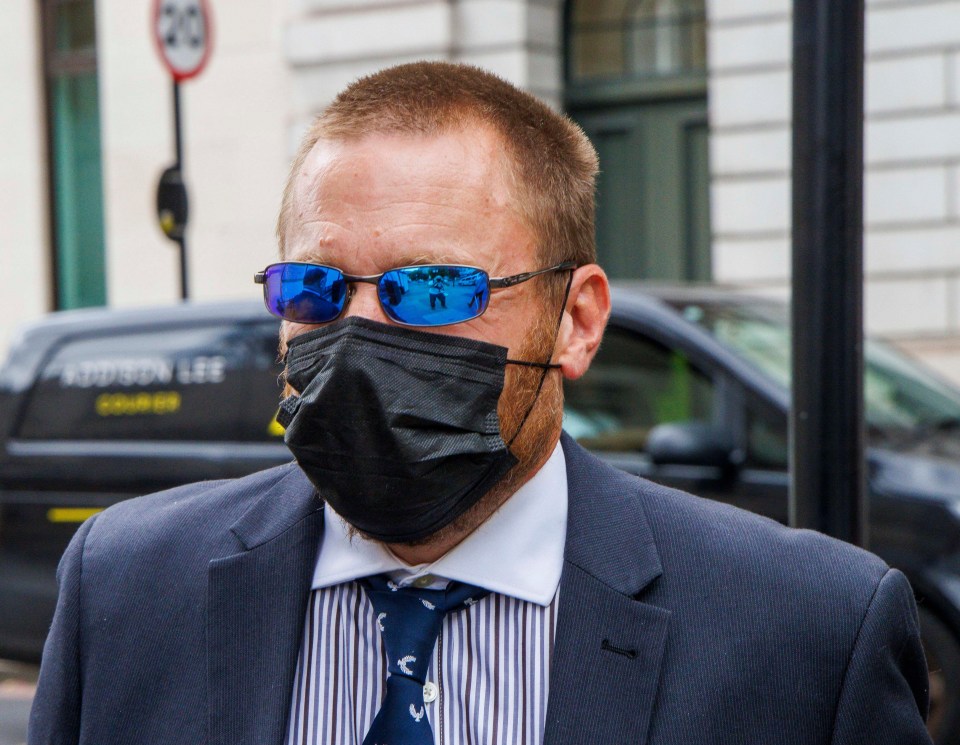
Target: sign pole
(182,34)
(178,143)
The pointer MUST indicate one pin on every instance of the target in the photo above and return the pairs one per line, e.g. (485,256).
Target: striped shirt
(489,674)
(490,666)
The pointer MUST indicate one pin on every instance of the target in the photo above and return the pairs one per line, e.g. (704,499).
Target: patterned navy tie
(409,620)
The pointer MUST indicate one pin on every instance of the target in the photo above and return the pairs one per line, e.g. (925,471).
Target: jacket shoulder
(687,528)
(714,544)
(188,518)
(225,497)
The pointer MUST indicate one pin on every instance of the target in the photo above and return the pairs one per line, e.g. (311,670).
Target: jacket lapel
(257,601)
(609,647)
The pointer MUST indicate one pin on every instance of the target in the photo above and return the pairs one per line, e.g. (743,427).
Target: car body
(690,388)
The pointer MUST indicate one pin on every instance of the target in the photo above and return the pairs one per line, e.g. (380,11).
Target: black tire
(943,661)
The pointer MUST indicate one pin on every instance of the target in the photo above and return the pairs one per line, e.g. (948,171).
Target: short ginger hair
(552,163)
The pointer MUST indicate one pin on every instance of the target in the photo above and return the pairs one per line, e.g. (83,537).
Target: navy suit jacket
(681,621)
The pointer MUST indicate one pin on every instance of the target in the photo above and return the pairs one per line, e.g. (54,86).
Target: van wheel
(943,661)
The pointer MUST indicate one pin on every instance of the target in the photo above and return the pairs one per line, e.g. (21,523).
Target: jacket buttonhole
(608,647)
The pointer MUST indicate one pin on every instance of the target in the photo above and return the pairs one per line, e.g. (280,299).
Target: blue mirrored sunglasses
(422,295)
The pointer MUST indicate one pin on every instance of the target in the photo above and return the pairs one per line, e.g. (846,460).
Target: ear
(584,319)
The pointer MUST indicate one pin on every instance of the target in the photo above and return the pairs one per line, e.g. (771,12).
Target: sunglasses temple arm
(498,282)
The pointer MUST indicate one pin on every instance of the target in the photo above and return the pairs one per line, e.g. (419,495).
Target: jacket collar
(608,536)
(287,501)
(606,638)
(605,521)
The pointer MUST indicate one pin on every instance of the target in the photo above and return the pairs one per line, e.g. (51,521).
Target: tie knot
(457,595)
(410,618)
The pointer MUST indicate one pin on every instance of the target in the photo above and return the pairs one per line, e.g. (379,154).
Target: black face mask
(397,428)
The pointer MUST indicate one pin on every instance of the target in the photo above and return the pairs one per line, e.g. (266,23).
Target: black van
(99,406)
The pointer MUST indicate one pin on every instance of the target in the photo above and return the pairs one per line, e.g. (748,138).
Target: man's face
(392,200)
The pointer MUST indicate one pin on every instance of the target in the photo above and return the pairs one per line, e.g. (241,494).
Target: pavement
(17,685)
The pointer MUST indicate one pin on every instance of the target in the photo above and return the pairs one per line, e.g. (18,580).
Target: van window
(187,383)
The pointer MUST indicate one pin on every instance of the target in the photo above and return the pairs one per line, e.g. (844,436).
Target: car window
(158,384)
(900,396)
(633,385)
(767,443)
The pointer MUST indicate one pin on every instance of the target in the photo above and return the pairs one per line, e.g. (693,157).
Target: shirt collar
(517,551)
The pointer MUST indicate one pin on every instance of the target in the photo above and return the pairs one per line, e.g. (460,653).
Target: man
(570,603)
(437,293)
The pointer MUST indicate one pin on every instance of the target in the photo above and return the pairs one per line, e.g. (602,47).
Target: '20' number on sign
(183,35)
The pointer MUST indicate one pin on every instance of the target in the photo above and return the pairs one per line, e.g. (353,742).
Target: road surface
(17,684)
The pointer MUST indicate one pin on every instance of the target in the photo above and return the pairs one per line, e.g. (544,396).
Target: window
(633,385)
(200,383)
(76,187)
(624,39)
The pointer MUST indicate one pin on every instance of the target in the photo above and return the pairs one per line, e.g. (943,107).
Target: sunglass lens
(306,293)
(434,295)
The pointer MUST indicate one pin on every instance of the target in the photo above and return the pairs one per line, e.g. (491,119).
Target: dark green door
(653,192)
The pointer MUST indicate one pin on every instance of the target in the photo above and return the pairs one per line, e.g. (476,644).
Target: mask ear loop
(545,366)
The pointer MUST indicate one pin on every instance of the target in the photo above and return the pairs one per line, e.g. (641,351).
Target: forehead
(439,197)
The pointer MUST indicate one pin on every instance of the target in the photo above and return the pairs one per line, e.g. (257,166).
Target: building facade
(688,102)
(912,163)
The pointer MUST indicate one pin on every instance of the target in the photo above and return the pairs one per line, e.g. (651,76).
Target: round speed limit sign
(182,31)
